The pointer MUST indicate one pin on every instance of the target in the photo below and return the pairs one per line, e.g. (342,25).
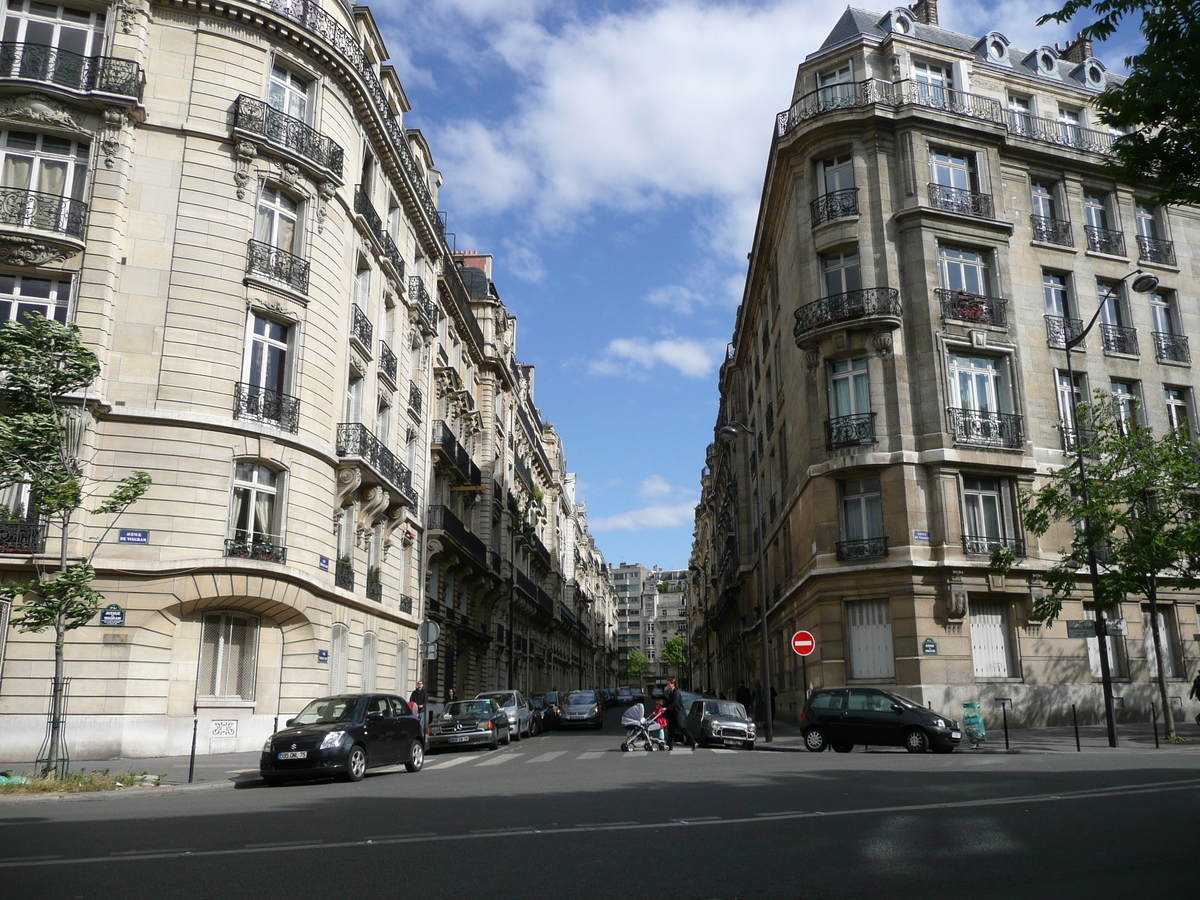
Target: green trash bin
(972,723)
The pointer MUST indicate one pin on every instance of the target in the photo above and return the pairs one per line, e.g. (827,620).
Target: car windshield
(725,708)
(581,698)
(327,711)
(467,708)
(903,701)
(502,699)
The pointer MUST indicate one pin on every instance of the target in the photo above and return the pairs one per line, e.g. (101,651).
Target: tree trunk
(56,692)
(1168,714)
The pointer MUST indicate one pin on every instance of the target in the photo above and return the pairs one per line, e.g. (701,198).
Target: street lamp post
(1142,284)
(731,432)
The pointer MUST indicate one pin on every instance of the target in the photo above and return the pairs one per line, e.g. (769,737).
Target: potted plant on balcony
(971,307)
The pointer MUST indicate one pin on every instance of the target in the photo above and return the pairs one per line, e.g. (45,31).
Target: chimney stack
(1078,50)
(926,12)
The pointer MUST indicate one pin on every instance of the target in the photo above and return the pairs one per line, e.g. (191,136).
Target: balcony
(1052,231)
(364,208)
(454,455)
(869,548)
(1155,250)
(356,444)
(975,545)
(361,329)
(986,429)
(934,96)
(1062,134)
(850,431)
(1073,441)
(387,362)
(852,306)
(1171,347)
(416,400)
(1104,240)
(834,205)
(343,574)
(441,519)
(525,584)
(43,212)
(834,97)
(426,309)
(22,537)
(407,604)
(522,471)
(539,550)
(462,300)
(961,201)
(293,137)
(258,549)
(55,68)
(1060,329)
(1118,339)
(277,265)
(374,586)
(974,309)
(261,405)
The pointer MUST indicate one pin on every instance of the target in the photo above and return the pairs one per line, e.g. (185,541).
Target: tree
(674,654)
(1136,509)
(1157,107)
(638,664)
(46,368)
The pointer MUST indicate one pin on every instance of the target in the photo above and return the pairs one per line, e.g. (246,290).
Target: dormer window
(997,48)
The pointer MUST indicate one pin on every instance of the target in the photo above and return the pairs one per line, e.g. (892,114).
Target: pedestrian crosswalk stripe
(546,757)
(497,760)
(721,750)
(591,754)
(450,762)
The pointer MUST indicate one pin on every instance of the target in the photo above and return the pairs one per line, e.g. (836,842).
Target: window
(1124,393)
(975,383)
(841,272)
(1095,208)
(1020,114)
(869,632)
(989,639)
(1147,221)
(1069,121)
(288,93)
(849,388)
(964,270)
(861,508)
(362,287)
(836,87)
(1070,395)
(354,398)
(1057,294)
(1118,337)
(265,367)
(276,223)
(21,295)
(228,657)
(952,169)
(837,173)
(1169,343)
(383,422)
(254,520)
(986,515)
(50,170)
(1044,205)
(339,659)
(74,33)
(933,82)
(1162,312)
(1178,416)
(1093,649)
(369,662)
(402,669)
(1166,637)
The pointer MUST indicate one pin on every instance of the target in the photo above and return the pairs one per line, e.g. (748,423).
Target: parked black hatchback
(344,735)
(843,717)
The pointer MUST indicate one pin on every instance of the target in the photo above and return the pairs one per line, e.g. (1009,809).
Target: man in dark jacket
(418,697)
(676,715)
(745,697)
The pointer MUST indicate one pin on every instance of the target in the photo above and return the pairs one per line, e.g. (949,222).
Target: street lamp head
(732,431)
(1144,283)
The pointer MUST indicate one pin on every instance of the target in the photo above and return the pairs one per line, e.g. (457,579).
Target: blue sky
(610,155)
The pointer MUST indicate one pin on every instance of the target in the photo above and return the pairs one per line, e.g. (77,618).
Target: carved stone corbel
(348,481)
(812,358)
(374,500)
(395,518)
(38,108)
(16,250)
(325,191)
(129,11)
(110,144)
(244,153)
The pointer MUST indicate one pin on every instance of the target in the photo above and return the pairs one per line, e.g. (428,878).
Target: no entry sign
(804,643)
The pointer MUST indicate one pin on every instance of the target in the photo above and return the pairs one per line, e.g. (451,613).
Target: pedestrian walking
(774,694)
(745,697)
(417,699)
(676,715)
(760,703)
(451,695)
(1195,694)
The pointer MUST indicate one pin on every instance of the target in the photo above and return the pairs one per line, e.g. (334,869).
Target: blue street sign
(126,536)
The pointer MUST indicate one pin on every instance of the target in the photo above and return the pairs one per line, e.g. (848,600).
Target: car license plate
(956,735)
(294,754)
(730,742)
(460,739)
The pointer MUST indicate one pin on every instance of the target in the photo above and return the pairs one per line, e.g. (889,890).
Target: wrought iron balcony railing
(959,200)
(1052,231)
(1118,339)
(259,118)
(343,574)
(262,405)
(407,603)
(852,305)
(934,96)
(525,584)
(1064,134)
(416,400)
(22,537)
(867,548)
(978,545)
(419,297)
(1104,240)
(355,441)
(1171,347)
(834,205)
(539,550)
(462,299)
(1061,329)
(64,69)
(45,212)
(277,265)
(446,444)
(1156,250)
(986,429)
(522,471)
(442,519)
(975,309)
(364,207)
(259,549)
(1073,441)
(850,431)
(833,97)
(374,587)
(360,326)
(387,361)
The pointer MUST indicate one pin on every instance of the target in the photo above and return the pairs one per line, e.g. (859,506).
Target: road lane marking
(592,754)
(448,763)
(721,750)
(1061,796)
(602,824)
(546,757)
(498,760)
(278,845)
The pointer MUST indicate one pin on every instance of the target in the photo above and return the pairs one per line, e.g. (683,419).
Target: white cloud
(655,486)
(637,356)
(1015,19)
(647,517)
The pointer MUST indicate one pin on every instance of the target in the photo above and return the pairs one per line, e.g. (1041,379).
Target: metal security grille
(989,639)
(402,669)
(368,662)
(228,657)
(339,659)
(869,623)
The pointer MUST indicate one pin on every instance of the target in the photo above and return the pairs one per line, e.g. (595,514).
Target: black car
(344,735)
(468,723)
(544,712)
(843,717)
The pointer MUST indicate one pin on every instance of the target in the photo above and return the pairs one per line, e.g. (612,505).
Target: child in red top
(659,729)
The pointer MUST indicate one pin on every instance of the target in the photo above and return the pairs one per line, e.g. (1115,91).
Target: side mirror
(375,714)
(896,707)
(290,723)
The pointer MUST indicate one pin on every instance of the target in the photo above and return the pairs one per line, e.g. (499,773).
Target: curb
(110,794)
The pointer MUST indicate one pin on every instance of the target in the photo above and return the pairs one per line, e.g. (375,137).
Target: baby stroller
(637,731)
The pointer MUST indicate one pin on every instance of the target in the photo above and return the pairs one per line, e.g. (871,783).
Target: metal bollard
(1004,709)
(192,762)
(1154,718)
(1075,720)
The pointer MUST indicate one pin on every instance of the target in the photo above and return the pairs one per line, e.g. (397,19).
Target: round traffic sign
(428,632)
(804,643)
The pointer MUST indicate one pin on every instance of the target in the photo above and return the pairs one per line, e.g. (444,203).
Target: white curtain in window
(370,645)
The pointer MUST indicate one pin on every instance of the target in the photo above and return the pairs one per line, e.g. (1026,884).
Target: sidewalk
(212,770)
(1092,739)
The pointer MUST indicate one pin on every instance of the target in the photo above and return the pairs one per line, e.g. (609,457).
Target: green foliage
(638,663)
(43,361)
(662,587)
(674,653)
(538,495)
(1157,105)
(64,598)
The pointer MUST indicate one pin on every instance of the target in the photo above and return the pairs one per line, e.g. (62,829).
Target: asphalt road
(568,815)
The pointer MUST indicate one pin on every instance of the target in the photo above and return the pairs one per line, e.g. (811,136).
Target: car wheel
(356,764)
(495,744)
(916,741)
(507,737)
(814,740)
(749,745)
(517,736)
(416,757)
